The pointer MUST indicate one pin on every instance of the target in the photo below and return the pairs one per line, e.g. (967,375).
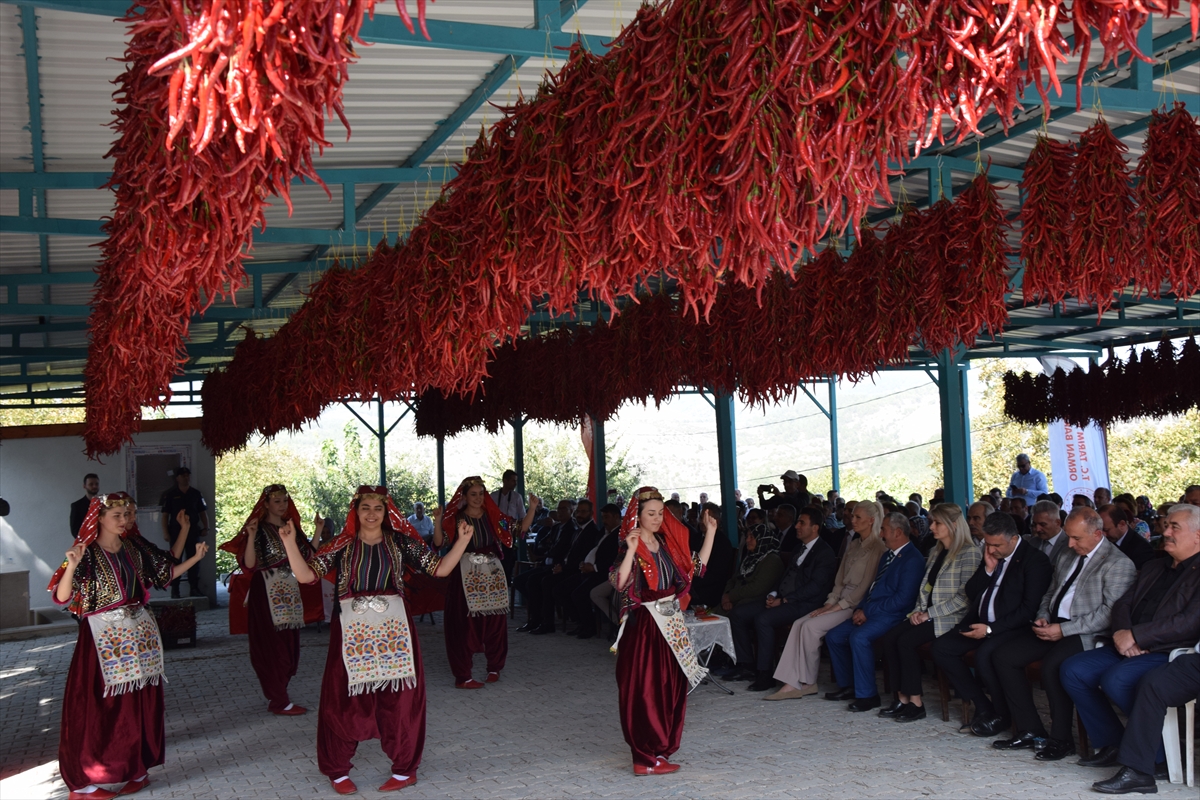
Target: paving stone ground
(548,729)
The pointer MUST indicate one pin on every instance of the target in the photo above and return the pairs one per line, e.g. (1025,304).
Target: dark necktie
(991,589)
(1079,562)
(888,558)
(800,553)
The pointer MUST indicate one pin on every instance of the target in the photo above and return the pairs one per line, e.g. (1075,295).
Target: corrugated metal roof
(396,99)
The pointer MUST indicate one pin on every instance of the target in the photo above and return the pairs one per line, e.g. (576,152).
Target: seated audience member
(802,653)
(594,570)
(1164,687)
(996,494)
(758,573)
(1138,526)
(1088,579)
(1047,535)
(1002,597)
(1081,501)
(1159,612)
(785,522)
(528,582)
(1102,496)
(802,589)
(1020,512)
(922,538)
(976,514)
(1005,505)
(832,521)
(708,587)
(851,645)
(1116,528)
(567,557)
(916,498)
(1159,524)
(1191,495)
(834,537)
(941,604)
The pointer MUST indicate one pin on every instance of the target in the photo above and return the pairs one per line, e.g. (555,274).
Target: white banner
(1078,456)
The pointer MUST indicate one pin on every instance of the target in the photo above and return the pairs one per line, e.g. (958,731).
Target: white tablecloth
(707,633)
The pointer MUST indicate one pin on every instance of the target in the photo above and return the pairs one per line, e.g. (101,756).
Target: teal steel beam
(438,174)
(43,327)
(836,477)
(968,165)
(212,314)
(33,93)
(441,471)
(90,228)
(956,443)
(727,462)
(77,377)
(599,485)
(518,426)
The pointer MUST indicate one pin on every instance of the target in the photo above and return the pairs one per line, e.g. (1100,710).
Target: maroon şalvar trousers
(467,635)
(396,718)
(651,690)
(106,739)
(275,655)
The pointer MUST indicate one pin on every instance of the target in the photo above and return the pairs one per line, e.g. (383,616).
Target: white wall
(41,477)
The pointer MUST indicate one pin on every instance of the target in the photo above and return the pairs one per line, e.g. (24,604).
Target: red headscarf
(90,528)
(398,521)
(674,532)
(502,524)
(237,544)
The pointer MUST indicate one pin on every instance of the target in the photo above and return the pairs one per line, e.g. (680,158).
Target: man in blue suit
(890,598)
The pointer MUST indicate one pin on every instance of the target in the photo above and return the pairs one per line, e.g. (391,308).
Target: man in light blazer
(1089,577)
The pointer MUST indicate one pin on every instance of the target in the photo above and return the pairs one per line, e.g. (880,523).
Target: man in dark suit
(852,644)
(1163,687)
(1159,613)
(1116,528)
(803,588)
(79,509)
(594,569)
(1089,578)
(1003,597)
(528,581)
(575,540)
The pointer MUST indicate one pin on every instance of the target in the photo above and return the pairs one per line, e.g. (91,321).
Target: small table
(706,635)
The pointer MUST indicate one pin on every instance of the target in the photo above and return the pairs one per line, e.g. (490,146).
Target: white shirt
(1048,544)
(990,616)
(424,525)
(511,504)
(1064,608)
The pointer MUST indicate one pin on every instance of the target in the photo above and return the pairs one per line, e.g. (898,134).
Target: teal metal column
(518,426)
(600,464)
(727,462)
(956,442)
(441,470)
(381,434)
(833,435)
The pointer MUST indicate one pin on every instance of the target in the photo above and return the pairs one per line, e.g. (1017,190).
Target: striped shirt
(370,568)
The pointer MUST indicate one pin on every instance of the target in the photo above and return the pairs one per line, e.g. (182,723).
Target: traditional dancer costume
(476,614)
(656,665)
(274,607)
(374,683)
(112,727)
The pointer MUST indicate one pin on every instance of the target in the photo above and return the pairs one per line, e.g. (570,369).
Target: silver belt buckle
(668,608)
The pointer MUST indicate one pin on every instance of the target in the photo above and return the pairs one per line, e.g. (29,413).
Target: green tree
(556,466)
(42,415)
(241,477)
(1155,457)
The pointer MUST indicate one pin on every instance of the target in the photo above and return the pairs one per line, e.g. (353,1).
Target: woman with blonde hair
(941,604)
(802,653)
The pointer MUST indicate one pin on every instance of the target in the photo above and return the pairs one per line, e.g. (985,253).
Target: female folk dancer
(112,716)
(477,598)
(274,608)
(374,684)
(656,665)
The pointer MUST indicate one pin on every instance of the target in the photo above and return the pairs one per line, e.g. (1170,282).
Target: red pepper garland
(1046,221)
(715,141)
(1168,198)
(219,107)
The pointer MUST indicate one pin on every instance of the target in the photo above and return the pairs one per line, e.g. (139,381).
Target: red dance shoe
(394,785)
(469,684)
(294,711)
(493,677)
(133,787)
(345,787)
(99,794)
(661,767)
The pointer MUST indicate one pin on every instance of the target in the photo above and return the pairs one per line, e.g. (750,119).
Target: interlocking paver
(548,729)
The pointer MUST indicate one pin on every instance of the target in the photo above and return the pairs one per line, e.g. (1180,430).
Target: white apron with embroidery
(283,596)
(669,618)
(484,584)
(377,644)
(129,647)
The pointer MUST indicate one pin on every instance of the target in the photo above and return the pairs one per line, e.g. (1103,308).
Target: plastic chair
(1171,735)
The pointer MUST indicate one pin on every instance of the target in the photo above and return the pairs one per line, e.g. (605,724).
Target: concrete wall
(41,476)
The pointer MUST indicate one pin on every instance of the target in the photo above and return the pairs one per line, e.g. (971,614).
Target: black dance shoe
(1024,741)
(910,713)
(890,711)
(865,703)
(989,726)
(1055,750)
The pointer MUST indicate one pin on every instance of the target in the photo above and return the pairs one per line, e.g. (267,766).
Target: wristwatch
(989,631)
